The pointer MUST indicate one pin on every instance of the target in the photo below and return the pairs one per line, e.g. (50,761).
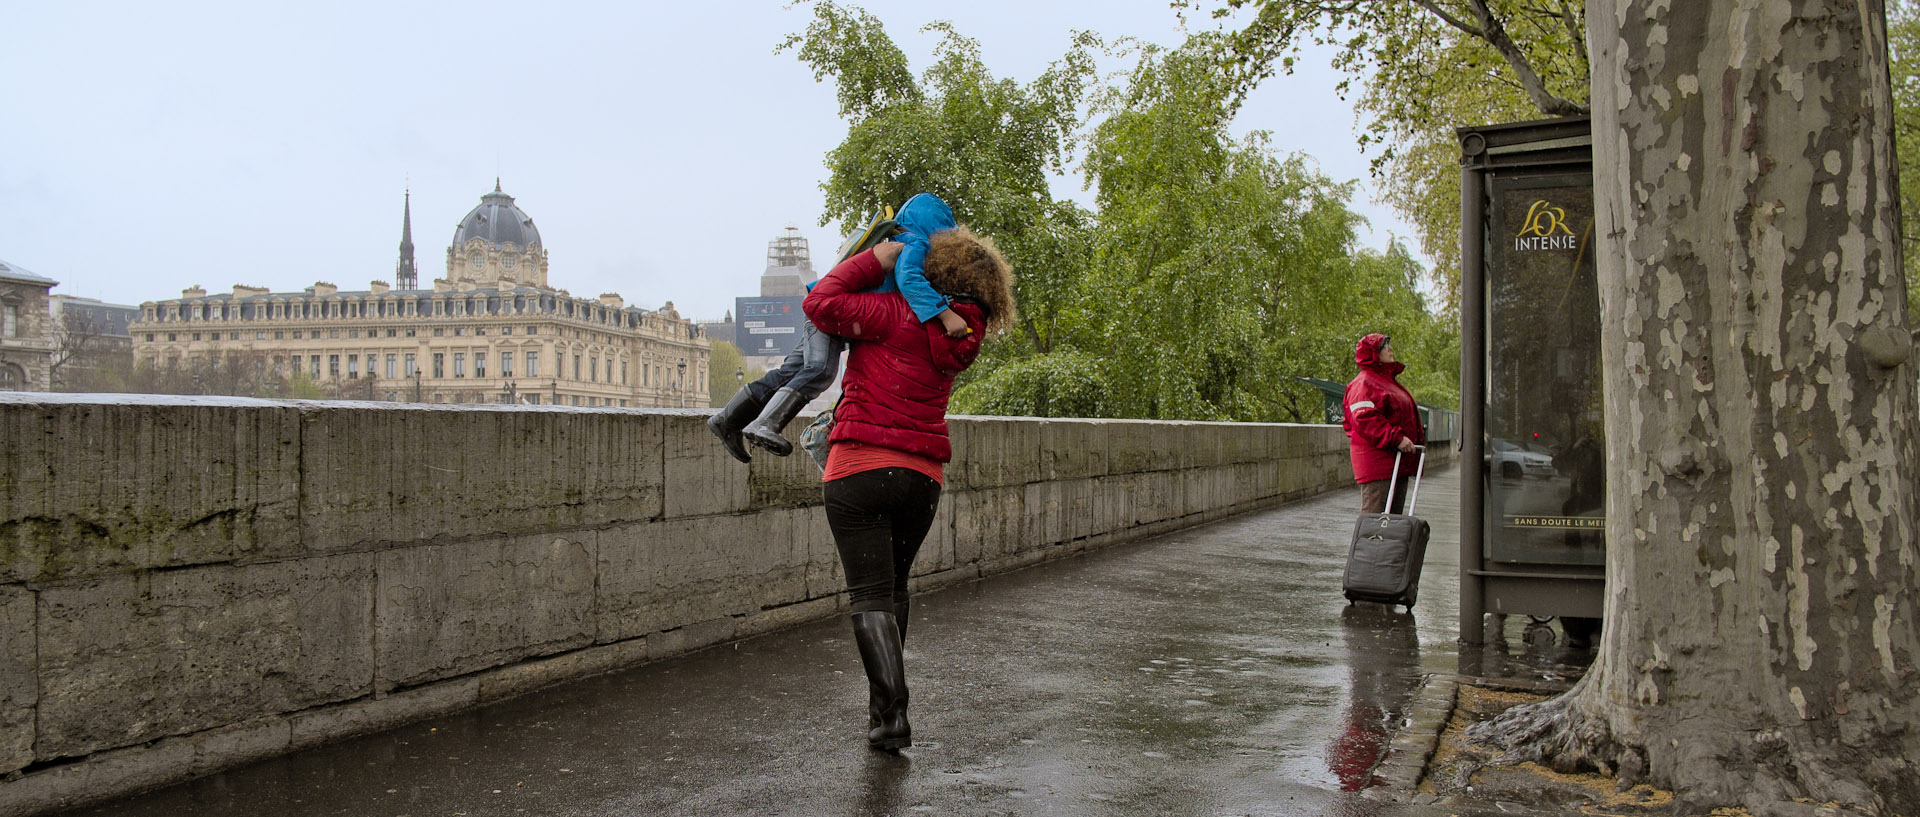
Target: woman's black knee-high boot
(879,638)
(900,621)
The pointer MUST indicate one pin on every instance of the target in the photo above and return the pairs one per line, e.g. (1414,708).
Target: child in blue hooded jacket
(759,412)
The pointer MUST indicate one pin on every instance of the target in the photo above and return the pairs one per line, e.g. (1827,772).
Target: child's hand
(955,325)
(885,252)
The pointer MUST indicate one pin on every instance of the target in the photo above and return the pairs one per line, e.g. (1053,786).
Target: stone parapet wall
(192,583)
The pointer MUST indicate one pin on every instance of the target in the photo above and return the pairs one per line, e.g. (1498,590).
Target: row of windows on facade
(401,307)
(281,334)
(405,366)
(529,398)
(438,332)
(354,334)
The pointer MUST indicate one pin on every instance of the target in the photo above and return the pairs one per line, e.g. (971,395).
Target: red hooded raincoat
(1378,412)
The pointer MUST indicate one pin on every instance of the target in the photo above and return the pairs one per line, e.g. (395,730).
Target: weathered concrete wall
(191,583)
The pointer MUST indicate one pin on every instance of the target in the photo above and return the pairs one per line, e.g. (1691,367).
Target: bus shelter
(1533,526)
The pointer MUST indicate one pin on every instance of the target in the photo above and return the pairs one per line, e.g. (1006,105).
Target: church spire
(405,274)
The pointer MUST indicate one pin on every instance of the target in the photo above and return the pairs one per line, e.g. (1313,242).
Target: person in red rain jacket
(889,440)
(1380,418)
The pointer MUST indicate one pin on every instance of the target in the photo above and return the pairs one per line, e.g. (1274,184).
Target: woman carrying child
(760,412)
(889,439)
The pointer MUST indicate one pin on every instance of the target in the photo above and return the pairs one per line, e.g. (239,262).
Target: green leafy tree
(1536,47)
(1210,272)
(986,145)
(1063,383)
(1416,70)
(1426,341)
(725,363)
(299,386)
(1223,267)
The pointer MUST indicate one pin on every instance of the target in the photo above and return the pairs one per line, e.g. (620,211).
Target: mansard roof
(362,293)
(308,294)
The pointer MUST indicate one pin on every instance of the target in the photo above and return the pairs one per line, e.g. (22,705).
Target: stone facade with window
(27,337)
(491,331)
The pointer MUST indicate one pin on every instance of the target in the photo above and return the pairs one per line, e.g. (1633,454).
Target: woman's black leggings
(879,518)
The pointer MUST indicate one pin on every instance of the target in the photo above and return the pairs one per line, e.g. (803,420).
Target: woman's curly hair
(963,264)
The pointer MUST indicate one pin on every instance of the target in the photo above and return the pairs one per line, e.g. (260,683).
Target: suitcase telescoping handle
(1394,480)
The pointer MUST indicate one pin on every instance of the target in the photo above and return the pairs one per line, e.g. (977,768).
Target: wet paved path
(1214,671)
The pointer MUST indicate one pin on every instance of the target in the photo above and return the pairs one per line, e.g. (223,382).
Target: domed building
(492,331)
(497,240)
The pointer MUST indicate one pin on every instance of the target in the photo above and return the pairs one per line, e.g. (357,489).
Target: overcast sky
(658,146)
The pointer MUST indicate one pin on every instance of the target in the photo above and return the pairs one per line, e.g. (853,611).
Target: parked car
(1511,461)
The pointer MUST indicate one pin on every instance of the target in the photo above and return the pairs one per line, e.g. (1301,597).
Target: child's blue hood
(925,214)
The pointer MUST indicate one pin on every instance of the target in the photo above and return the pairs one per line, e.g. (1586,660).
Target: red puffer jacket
(895,391)
(1379,411)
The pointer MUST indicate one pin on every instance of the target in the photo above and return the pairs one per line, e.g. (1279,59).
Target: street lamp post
(512,394)
(681,385)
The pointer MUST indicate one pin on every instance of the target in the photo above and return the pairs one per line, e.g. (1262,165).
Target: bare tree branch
(79,341)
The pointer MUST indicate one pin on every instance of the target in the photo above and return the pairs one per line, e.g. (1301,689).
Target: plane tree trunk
(1762,568)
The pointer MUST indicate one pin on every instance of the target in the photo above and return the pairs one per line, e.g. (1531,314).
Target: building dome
(498,221)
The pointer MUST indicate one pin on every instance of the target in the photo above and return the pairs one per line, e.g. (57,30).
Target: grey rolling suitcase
(1388,549)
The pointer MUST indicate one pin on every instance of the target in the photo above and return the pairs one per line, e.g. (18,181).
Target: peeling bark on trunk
(1760,642)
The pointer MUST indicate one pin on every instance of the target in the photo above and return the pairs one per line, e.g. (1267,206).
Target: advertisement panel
(1545,452)
(767,327)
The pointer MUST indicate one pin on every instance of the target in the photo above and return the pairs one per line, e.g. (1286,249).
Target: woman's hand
(886,252)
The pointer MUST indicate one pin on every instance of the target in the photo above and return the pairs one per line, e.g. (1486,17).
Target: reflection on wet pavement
(1382,653)
(1532,653)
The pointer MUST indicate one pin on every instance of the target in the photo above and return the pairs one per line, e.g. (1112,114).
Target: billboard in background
(767,327)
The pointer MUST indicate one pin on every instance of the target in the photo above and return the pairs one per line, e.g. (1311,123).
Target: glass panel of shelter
(1546,468)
